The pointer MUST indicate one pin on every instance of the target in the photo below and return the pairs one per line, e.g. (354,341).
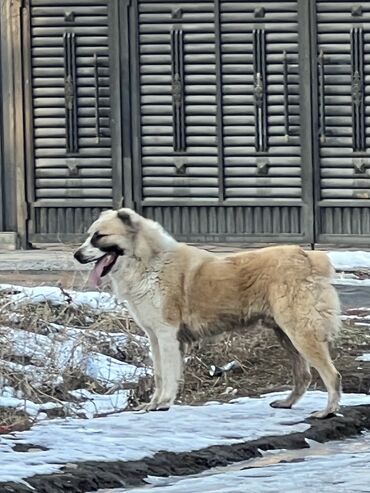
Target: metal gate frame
(130,48)
(1,156)
(307,121)
(12,111)
(122,53)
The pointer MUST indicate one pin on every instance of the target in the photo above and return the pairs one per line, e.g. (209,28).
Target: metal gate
(224,120)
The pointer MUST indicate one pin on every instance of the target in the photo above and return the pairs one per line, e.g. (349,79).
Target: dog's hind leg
(332,381)
(301,372)
(316,352)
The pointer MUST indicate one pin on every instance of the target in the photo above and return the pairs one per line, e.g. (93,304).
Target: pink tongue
(95,274)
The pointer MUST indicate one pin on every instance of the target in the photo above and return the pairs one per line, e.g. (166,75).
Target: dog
(179,293)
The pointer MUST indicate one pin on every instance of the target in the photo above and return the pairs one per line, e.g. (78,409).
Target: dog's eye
(98,236)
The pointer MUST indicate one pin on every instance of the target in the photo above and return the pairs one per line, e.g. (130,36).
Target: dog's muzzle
(83,259)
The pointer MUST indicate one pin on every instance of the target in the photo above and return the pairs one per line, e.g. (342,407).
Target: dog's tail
(328,301)
(321,265)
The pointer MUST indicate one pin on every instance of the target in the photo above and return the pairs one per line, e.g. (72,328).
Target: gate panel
(261,114)
(177,102)
(343,74)
(220,120)
(70,176)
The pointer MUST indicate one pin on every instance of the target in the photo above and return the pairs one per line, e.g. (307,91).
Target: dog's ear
(129,219)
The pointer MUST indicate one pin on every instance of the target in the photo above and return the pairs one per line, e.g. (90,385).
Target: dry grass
(39,379)
(12,419)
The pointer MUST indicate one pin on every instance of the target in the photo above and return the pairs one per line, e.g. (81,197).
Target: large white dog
(177,294)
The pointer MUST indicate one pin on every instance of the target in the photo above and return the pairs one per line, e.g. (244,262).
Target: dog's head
(110,237)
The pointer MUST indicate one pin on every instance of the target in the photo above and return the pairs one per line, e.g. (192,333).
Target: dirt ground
(68,279)
(264,366)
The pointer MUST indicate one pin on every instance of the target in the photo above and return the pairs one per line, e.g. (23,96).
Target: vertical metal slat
(362,89)
(74,102)
(67,88)
(322,97)
(259,58)
(219,103)
(182,78)
(358,90)
(178,104)
(286,95)
(264,87)
(256,94)
(174,69)
(97,100)
(70,88)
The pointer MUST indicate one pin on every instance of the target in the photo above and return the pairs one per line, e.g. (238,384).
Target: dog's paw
(281,404)
(146,407)
(322,414)
(140,407)
(164,407)
(164,404)
(155,405)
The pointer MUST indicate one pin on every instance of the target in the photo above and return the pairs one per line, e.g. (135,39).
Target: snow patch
(131,436)
(104,302)
(363,357)
(348,260)
(59,354)
(351,282)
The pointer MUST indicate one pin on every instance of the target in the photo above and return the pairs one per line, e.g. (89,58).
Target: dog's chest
(143,300)
(145,313)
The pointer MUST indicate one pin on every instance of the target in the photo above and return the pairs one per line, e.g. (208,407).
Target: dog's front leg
(171,365)
(157,369)
(158,387)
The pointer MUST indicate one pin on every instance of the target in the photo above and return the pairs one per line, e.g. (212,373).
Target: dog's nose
(79,256)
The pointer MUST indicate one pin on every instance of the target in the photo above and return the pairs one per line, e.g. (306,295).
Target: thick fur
(178,294)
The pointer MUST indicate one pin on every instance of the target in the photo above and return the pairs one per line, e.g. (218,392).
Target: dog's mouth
(102,267)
